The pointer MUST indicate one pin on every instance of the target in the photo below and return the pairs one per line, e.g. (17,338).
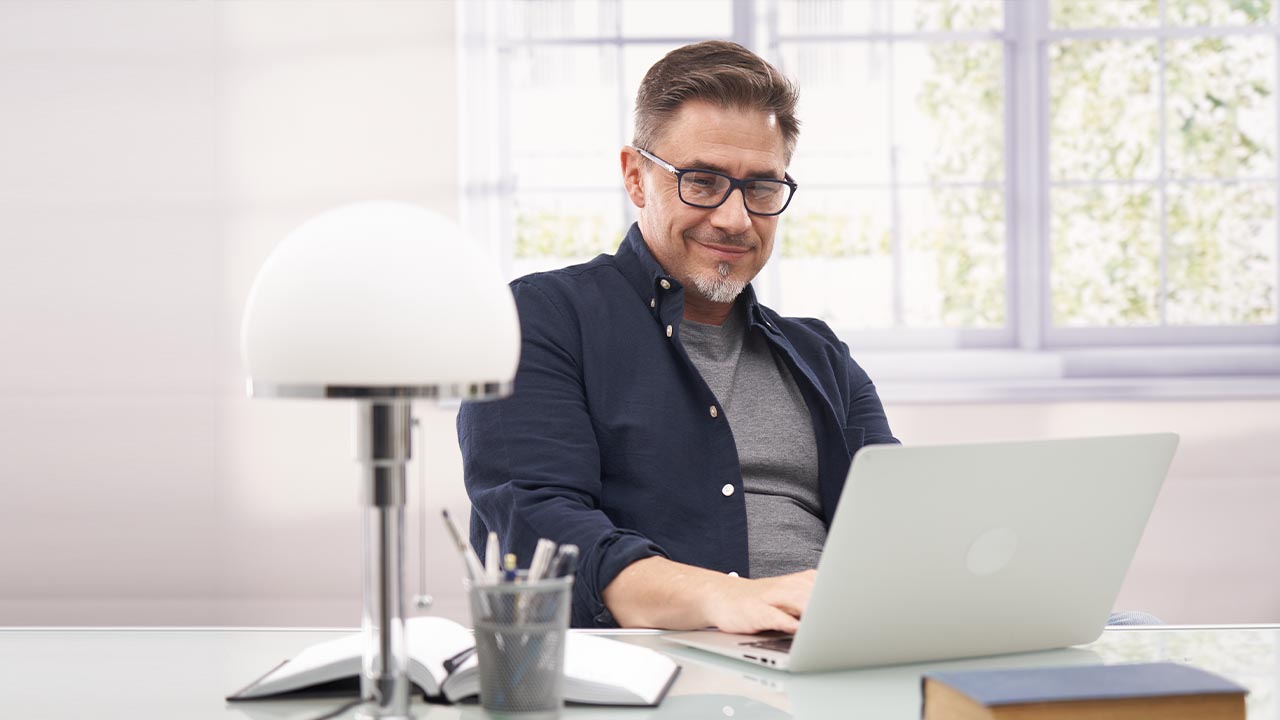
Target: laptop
(941,552)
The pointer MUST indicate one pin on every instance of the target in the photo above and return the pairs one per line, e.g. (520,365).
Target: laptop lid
(940,552)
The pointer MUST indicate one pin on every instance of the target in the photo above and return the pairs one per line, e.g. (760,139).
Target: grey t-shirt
(774,436)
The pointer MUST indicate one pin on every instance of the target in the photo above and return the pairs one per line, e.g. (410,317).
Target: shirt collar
(645,275)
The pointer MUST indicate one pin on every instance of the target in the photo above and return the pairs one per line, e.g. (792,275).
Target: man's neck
(702,310)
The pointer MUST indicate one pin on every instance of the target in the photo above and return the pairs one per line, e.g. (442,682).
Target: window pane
(821,17)
(1222,254)
(1104,13)
(949,111)
(554,148)
(558,18)
(678,18)
(1105,255)
(809,17)
(954,272)
(566,226)
(1103,110)
(1218,12)
(939,15)
(1220,111)
(844,114)
(835,263)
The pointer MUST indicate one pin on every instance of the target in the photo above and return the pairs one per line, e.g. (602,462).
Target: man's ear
(632,178)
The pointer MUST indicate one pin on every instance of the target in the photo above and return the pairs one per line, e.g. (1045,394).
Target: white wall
(151,154)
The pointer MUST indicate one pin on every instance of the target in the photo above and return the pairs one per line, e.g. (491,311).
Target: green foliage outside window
(1105,255)
(549,233)
(958,230)
(964,100)
(1218,235)
(832,235)
(967,248)
(1221,249)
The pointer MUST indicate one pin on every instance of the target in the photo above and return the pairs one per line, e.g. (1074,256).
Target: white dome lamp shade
(380,299)
(382,303)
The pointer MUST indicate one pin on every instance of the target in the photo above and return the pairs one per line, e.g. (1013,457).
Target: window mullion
(1163,175)
(1028,179)
(624,104)
(895,199)
(1275,292)
(744,24)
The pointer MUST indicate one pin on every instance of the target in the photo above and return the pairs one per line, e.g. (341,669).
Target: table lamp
(380,303)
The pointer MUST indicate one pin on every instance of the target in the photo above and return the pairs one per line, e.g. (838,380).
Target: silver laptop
(939,552)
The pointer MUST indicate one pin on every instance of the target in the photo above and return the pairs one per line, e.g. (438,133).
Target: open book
(598,671)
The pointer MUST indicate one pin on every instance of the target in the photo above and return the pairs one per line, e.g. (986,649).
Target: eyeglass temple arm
(660,162)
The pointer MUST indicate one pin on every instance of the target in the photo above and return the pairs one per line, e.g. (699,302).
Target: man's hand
(658,593)
(752,606)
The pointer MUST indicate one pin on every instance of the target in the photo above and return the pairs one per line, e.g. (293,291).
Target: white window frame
(1028,359)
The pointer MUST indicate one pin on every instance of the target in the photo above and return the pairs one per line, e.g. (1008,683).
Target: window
(1162,171)
(1044,182)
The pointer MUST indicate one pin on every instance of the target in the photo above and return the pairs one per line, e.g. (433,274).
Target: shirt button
(733,574)
(665,285)
(653,302)
(727,490)
(668,331)
(714,412)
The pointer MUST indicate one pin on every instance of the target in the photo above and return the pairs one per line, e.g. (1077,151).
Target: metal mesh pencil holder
(520,635)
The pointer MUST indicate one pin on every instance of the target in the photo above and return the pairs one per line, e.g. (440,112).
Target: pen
(565,561)
(541,558)
(509,567)
(469,559)
(492,558)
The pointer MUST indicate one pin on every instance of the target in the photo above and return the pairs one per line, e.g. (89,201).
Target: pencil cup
(520,633)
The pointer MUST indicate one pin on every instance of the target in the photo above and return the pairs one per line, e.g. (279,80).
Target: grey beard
(719,289)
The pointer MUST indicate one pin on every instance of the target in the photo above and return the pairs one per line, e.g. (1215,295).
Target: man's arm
(865,409)
(531,462)
(659,593)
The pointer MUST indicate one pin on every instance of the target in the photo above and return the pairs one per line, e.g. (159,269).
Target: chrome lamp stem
(383,446)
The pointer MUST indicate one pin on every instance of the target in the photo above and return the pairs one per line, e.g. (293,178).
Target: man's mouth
(727,253)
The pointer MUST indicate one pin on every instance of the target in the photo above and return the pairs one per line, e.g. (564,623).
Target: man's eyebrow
(696,164)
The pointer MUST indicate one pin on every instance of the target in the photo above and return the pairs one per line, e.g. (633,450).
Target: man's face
(712,252)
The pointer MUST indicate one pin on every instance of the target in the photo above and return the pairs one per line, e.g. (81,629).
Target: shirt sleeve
(865,409)
(531,463)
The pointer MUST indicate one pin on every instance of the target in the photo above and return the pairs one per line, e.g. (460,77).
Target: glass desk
(79,673)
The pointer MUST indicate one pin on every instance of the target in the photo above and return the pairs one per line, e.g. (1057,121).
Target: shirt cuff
(609,557)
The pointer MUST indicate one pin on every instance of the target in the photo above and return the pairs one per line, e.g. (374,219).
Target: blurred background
(1028,219)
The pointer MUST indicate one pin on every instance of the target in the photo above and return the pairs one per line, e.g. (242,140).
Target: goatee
(720,288)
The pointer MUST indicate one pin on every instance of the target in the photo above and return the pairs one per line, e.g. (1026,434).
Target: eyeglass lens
(705,189)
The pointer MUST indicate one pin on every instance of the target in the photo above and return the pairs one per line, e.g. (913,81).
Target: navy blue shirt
(609,441)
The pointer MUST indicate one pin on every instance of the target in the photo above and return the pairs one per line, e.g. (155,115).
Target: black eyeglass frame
(734,184)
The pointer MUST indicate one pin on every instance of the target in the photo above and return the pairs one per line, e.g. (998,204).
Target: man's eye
(763,190)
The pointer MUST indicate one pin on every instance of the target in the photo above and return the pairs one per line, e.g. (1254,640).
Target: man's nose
(732,215)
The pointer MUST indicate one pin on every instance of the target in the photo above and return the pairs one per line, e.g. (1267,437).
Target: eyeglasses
(709,189)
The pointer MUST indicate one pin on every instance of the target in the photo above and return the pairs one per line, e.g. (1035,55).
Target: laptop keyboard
(779,644)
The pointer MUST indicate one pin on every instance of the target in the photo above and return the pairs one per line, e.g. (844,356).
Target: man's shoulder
(572,278)
(593,283)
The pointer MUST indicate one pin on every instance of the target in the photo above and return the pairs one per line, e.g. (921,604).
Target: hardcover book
(1169,691)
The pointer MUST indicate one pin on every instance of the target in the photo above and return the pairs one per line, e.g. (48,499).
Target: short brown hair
(721,73)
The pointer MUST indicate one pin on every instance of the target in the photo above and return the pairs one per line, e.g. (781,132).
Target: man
(692,442)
